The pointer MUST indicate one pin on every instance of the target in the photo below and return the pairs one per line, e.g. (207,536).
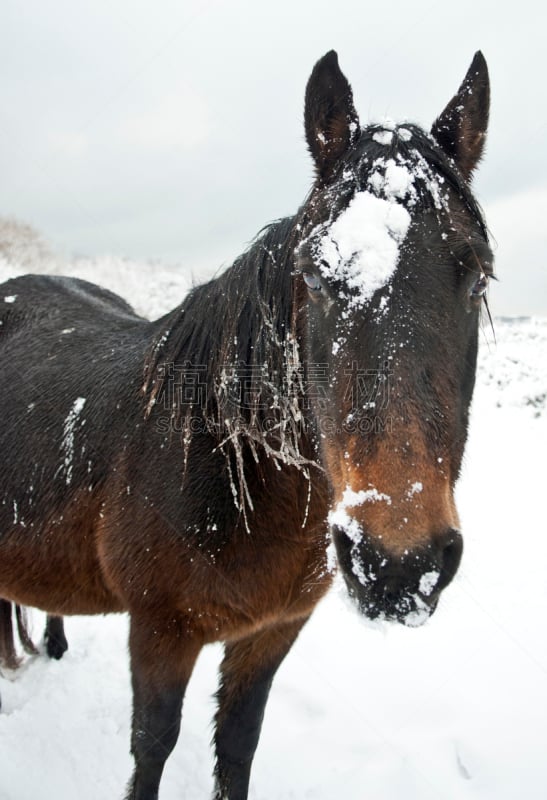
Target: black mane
(234,318)
(237,336)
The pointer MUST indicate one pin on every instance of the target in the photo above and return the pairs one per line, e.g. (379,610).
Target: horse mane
(228,357)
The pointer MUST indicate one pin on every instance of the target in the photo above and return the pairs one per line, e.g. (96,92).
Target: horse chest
(224,582)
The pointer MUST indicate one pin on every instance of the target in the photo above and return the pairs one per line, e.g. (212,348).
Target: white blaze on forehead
(361,247)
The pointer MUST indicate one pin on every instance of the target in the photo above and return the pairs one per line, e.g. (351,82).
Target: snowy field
(456,709)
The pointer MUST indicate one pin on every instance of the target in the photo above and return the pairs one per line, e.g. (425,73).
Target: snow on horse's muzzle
(404,588)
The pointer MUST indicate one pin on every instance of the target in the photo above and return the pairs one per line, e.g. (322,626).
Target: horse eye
(480,286)
(312,281)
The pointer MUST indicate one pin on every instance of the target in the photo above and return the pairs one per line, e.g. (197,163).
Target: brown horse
(186,470)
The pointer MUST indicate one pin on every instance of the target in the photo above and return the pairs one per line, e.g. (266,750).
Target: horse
(302,412)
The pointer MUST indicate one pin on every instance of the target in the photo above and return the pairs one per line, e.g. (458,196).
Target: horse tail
(8,652)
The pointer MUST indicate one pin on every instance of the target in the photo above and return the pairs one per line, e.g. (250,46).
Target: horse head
(394,262)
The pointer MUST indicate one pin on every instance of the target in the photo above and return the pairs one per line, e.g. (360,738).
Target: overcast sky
(173,129)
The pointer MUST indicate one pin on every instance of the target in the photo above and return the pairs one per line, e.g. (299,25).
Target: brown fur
(65,579)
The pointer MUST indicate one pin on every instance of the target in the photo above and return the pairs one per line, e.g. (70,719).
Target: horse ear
(461,128)
(332,124)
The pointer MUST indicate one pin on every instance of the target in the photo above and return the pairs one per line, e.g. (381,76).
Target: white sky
(173,130)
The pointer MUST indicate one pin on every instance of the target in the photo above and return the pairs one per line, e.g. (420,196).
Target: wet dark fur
(192,486)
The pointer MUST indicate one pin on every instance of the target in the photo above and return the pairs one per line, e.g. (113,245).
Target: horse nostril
(451,547)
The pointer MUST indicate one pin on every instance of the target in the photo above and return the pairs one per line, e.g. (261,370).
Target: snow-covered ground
(456,709)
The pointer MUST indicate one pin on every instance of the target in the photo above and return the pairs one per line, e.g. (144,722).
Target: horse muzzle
(404,588)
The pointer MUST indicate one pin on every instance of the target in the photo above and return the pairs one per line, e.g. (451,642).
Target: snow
(452,710)
(428,581)
(383,137)
(350,499)
(387,123)
(398,180)
(67,445)
(416,488)
(361,247)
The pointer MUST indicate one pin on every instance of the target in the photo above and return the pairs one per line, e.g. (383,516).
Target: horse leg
(8,653)
(54,637)
(163,655)
(247,673)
